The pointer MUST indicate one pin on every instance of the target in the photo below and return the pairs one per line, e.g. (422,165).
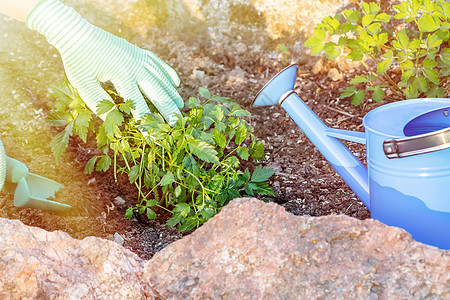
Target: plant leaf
(261,174)
(81,125)
(58,118)
(384,65)
(59,144)
(104,106)
(113,119)
(257,150)
(367,19)
(167,179)
(125,107)
(220,99)
(62,93)
(192,102)
(383,17)
(134,173)
(102,138)
(435,92)
(174,220)
(241,134)
(129,212)
(204,151)
(237,111)
(90,165)
(427,23)
(332,50)
(187,224)
(358,97)
(104,163)
(374,28)
(182,208)
(352,16)
(348,92)
(151,215)
(262,188)
(208,213)
(204,92)
(314,41)
(195,114)
(429,64)
(220,139)
(243,153)
(355,55)
(177,191)
(378,94)
(359,79)
(432,75)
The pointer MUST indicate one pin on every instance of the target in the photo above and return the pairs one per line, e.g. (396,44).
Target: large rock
(36,264)
(254,250)
(251,250)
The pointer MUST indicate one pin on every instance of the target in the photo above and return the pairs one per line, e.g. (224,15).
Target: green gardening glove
(92,55)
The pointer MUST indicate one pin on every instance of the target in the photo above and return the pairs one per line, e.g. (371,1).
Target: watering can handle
(418,144)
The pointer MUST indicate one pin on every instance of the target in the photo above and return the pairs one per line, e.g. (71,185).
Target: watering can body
(411,192)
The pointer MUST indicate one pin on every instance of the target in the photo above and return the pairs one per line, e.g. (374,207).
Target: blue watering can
(407,179)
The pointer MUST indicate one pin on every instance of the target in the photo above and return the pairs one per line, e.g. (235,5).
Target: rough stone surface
(254,250)
(36,264)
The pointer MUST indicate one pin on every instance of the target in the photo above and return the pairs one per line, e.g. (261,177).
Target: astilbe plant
(191,169)
(418,46)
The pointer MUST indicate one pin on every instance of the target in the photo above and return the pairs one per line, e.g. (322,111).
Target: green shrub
(418,46)
(190,169)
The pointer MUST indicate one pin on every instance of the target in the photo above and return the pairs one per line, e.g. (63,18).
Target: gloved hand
(92,55)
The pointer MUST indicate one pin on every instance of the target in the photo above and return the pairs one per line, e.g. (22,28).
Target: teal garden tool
(30,190)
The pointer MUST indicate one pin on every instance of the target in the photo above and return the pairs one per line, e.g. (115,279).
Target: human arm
(17,9)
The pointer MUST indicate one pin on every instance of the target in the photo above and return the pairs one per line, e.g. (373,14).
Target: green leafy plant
(191,169)
(418,46)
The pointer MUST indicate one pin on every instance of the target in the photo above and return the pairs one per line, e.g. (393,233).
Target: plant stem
(115,165)
(390,83)
(140,167)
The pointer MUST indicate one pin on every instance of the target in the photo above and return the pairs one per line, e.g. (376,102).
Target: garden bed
(305,184)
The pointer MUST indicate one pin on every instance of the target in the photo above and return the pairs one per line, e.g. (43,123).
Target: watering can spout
(280,91)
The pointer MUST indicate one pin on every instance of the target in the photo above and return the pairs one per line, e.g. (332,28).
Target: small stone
(235,78)
(118,239)
(241,48)
(119,201)
(334,74)
(198,75)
